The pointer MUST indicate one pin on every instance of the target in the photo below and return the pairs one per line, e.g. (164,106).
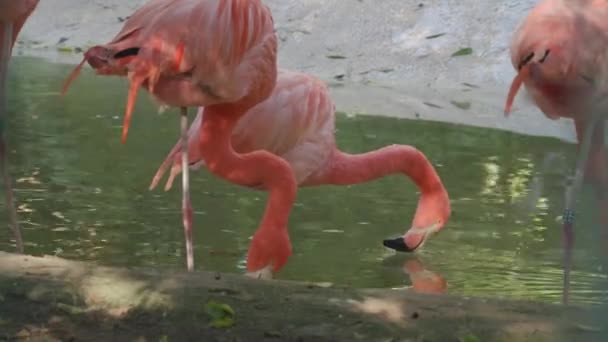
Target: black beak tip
(397,244)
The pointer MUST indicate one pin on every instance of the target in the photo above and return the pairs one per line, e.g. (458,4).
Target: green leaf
(463,52)
(65,49)
(461,104)
(222,315)
(70,309)
(587,328)
(469,338)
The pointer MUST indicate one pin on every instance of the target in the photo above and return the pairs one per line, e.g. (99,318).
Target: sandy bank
(57,299)
(376,54)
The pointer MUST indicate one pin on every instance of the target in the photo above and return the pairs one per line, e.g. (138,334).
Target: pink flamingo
(297,123)
(13,14)
(220,54)
(560,51)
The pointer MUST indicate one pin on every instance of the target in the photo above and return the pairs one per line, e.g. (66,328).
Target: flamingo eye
(545,56)
(127,52)
(525,60)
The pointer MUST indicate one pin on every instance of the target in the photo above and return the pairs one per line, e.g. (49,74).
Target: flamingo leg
(571,192)
(5,54)
(186,205)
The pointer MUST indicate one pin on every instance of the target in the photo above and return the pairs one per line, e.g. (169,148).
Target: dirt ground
(53,299)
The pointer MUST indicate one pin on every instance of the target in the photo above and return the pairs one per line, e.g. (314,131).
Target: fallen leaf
(469,85)
(272,334)
(65,49)
(461,104)
(433,36)
(222,315)
(587,328)
(23,333)
(70,309)
(469,338)
(432,105)
(463,52)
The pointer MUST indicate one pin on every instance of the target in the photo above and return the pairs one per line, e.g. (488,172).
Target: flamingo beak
(520,78)
(413,239)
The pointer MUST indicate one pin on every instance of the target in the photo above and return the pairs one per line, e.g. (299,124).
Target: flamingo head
(108,62)
(432,214)
(545,50)
(547,66)
(105,62)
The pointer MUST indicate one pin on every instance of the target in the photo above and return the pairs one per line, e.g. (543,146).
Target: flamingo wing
(296,122)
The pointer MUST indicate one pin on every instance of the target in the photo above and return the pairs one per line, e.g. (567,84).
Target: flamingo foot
(270,248)
(264,273)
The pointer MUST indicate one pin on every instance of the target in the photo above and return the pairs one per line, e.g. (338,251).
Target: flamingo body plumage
(221,55)
(297,123)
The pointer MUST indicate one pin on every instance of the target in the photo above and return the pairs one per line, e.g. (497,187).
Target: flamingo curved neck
(348,168)
(215,133)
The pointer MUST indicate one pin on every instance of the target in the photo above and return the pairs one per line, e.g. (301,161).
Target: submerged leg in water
(6,42)
(586,140)
(186,206)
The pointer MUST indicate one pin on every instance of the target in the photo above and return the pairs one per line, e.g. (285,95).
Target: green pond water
(83,195)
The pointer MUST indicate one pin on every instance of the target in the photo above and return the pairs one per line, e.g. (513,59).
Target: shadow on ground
(53,298)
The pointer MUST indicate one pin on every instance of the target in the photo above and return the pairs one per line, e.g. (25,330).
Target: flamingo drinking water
(221,55)
(13,14)
(297,123)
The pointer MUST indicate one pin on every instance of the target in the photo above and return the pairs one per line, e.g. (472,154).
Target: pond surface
(83,195)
